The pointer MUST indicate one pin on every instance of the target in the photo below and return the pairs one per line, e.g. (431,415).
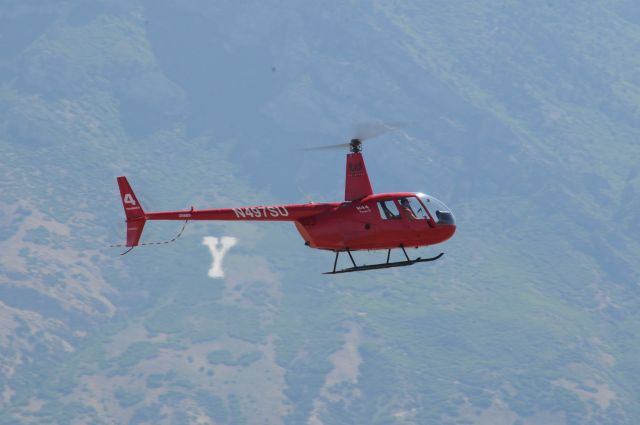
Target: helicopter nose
(447,231)
(445,217)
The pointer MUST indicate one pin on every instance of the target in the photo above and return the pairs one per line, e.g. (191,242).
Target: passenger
(404,204)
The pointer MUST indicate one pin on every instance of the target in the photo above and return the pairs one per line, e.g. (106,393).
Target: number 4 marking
(128,199)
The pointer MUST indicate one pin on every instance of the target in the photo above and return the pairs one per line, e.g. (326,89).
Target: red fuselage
(360,225)
(355,225)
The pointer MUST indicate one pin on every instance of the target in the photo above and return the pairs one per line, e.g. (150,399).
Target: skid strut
(387,265)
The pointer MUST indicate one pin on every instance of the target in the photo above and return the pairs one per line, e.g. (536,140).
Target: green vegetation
(207,322)
(221,357)
(525,123)
(135,353)
(155,380)
(127,399)
(226,358)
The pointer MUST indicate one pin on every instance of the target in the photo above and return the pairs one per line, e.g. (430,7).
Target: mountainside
(523,119)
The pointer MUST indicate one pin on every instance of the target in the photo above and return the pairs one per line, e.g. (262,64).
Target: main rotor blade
(363,132)
(366,131)
(328,147)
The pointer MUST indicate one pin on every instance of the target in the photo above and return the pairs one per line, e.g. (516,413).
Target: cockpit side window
(388,210)
(413,209)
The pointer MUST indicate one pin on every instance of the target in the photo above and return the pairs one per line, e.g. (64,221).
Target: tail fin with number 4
(133,211)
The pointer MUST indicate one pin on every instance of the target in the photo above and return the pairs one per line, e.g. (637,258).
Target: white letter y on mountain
(226,243)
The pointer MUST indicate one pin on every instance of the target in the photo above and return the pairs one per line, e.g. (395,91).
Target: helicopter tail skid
(386,265)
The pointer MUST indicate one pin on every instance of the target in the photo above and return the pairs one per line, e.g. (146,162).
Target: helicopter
(363,221)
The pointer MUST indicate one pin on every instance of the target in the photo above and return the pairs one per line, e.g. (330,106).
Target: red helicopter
(363,221)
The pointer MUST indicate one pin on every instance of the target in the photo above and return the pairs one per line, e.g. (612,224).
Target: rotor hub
(355,145)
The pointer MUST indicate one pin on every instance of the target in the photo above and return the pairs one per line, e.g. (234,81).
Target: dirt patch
(601,394)
(346,366)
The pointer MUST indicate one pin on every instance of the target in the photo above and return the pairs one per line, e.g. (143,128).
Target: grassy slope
(529,293)
(573,285)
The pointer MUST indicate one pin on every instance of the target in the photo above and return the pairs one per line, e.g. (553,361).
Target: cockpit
(417,207)
(437,209)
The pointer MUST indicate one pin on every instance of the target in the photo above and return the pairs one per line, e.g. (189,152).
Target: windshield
(437,209)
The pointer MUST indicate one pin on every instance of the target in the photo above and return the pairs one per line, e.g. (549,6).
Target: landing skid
(356,268)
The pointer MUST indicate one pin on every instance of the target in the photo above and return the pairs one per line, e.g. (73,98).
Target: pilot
(404,204)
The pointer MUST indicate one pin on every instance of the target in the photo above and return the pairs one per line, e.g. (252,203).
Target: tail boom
(137,217)
(292,212)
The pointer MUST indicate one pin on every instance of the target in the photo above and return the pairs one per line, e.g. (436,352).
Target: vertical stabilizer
(134,231)
(357,184)
(132,210)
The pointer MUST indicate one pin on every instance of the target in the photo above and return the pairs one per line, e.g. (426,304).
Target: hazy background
(525,122)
